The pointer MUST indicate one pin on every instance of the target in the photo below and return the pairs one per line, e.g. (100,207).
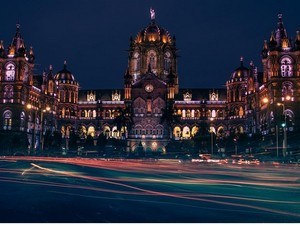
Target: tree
(168,117)
(101,142)
(57,140)
(202,137)
(73,140)
(123,120)
(89,142)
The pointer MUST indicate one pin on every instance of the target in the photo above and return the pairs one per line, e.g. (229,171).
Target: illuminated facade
(248,104)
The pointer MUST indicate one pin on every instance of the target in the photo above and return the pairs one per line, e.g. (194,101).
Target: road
(43,189)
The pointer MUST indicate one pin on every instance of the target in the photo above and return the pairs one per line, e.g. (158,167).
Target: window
(22,121)
(136,62)
(152,60)
(7,120)
(91,131)
(8,92)
(287,89)
(167,62)
(286,67)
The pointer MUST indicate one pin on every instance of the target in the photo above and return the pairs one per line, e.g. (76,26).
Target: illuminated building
(151,90)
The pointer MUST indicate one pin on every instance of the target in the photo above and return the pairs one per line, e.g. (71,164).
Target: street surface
(44,189)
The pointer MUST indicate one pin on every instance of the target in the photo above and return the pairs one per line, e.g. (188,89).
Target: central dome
(153,33)
(64,74)
(241,72)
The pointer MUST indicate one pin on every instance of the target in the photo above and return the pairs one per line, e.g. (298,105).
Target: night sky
(93,36)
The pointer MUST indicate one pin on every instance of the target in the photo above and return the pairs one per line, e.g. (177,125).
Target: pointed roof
(280,32)
(18,41)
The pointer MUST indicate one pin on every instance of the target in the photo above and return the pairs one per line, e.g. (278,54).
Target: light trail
(175,176)
(158,193)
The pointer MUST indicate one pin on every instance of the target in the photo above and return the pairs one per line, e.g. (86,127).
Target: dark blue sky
(92,35)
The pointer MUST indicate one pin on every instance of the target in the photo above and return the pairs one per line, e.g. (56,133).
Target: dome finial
(152,14)
(280,17)
(242,59)
(65,64)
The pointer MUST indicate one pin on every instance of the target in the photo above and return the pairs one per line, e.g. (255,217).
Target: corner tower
(154,47)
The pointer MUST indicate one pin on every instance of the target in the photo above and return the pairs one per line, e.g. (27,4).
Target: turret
(127,85)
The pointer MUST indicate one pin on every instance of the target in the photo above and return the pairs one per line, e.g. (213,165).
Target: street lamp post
(277,146)
(211,137)
(47,109)
(284,125)
(41,138)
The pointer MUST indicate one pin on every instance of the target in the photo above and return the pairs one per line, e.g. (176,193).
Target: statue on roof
(152,14)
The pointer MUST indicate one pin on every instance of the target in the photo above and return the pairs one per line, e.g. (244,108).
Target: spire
(31,51)
(65,64)
(264,52)
(18,41)
(242,61)
(265,44)
(273,42)
(127,77)
(50,74)
(2,50)
(31,55)
(297,41)
(281,31)
(1,45)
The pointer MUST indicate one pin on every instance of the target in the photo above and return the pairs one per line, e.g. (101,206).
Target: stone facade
(248,104)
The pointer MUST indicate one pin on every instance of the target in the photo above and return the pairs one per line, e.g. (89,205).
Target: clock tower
(152,64)
(16,78)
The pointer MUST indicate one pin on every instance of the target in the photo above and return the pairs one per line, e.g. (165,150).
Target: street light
(211,137)
(284,126)
(41,145)
(33,139)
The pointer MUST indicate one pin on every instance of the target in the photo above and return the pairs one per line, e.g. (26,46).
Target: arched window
(183,113)
(287,89)
(213,113)
(152,60)
(188,113)
(220,131)
(106,131)
(136,62)
(177,132)
(194,130)
(91,131)
(94,113)
(62,96)
(115,132)
(7,120)
(186,132)
(82,132)
(192,113)
(167,62)
(22,121)
(8,92)
(241,111)
(290,119)
(63,131)
(286,67)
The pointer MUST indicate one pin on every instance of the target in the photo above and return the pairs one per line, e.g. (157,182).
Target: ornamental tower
(67,100)
(16,79)
(154,47)
(280,92)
